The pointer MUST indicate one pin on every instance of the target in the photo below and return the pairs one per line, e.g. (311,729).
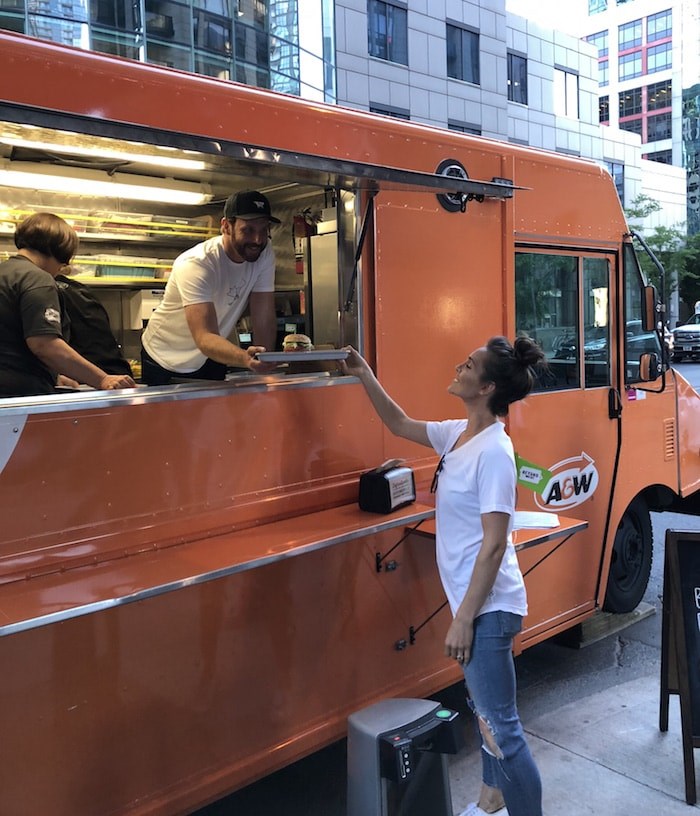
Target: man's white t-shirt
(203,274)
(478,477)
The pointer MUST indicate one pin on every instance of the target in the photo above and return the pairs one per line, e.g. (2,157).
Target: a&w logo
(573,481)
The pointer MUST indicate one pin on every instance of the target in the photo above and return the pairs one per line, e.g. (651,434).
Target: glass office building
(259,42)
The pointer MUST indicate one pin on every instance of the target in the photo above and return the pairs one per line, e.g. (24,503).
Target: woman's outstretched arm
(391,414)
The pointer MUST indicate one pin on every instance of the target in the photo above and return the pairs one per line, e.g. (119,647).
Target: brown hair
(512,368)
(48,234)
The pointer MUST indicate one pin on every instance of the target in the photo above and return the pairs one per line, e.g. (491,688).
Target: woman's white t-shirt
(477,477)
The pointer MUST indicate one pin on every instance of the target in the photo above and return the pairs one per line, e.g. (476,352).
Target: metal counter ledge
(42,600)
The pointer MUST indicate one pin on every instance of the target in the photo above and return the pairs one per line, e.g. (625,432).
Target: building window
(200,35)
(662,156)
(600,40)
(389,110)
(659,127)
(250,12)
(252,47)
(517,78)
(462,54)
(632,125)
(630,35)
(565,93)
(603,77)
(212,33)
(13,6)
(252,75)
(168,21)
(211,65)
(617,171)
(659,26)
(659,95)
(116,43)
(123,16)
(596,6)
(630,65)
(463,127)
(658,57)
(388,31)
(604,109)
(630,102)
(67,9)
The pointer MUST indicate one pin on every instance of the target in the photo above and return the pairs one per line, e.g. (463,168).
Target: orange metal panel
(164,472)
(688,436)
(201,690)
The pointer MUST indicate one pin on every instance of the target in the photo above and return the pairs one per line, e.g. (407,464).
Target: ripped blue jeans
(490,678)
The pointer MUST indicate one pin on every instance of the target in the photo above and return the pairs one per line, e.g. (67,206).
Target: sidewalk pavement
(600,756)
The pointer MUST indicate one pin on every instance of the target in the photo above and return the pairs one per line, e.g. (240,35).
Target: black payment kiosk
(396,758)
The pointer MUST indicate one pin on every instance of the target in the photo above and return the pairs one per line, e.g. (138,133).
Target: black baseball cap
(248,204)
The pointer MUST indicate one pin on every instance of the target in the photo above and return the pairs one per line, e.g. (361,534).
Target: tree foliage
(677,253)
(689,285)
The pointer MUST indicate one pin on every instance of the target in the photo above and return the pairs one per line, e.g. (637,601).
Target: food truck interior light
(100,184)
(170,162)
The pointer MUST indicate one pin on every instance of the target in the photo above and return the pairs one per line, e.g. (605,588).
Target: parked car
(686,339)
(597,345)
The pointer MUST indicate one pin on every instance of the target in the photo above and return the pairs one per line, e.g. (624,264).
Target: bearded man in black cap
(206,295)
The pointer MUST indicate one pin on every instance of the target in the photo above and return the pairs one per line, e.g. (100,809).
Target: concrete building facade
(475,67)
(649,78)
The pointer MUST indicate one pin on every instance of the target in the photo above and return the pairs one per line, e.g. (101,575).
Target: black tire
(631,560)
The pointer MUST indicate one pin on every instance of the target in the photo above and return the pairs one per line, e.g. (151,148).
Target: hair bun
(527,351)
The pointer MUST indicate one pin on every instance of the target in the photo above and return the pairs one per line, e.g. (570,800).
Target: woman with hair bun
(475,503)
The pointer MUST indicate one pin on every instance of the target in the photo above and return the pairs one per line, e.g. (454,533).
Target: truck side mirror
(649,367)
(649,314)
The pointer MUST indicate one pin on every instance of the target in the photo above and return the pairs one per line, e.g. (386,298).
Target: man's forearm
(221,350)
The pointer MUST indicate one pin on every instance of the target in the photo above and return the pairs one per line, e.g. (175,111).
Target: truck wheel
(631,560)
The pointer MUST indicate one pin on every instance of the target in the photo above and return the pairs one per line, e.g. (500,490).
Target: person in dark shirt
(89,333)
(33,351)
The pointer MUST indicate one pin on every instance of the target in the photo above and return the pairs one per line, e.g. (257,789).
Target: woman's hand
(66,382)
(113,382)
(354,365)
(458,642)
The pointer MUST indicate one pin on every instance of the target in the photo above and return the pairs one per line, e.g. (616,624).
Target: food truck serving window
(138,198)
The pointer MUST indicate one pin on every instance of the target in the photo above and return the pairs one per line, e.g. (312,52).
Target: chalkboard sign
(680,643)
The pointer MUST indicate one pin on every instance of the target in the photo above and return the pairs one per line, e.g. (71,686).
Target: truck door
(563,299)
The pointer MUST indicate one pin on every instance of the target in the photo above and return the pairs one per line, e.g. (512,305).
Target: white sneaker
(474,810)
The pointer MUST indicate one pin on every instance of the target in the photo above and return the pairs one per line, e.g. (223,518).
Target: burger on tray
(297,342)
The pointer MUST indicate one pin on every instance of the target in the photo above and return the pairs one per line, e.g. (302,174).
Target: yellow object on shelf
(113,226)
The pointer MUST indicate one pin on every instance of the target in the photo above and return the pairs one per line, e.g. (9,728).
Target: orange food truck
(190,596)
